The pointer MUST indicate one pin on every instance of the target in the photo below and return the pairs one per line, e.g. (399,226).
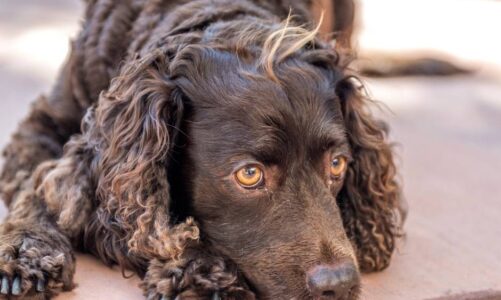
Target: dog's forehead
(245,111)
(221,79)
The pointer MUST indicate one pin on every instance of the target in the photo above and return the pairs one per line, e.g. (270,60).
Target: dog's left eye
(249,176)
(338,166)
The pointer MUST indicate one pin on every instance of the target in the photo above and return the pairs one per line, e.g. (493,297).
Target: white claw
(16,286)
(5,286)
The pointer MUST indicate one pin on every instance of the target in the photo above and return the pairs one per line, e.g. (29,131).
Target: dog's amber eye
(338,166)
(249,176)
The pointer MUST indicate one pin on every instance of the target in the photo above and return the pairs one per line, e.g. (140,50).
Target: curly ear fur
(135,120)
(370,199)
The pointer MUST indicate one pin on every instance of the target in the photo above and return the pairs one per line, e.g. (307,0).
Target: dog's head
(267,143)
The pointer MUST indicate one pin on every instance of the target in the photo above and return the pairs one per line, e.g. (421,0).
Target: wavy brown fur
(154,84)
(371,185)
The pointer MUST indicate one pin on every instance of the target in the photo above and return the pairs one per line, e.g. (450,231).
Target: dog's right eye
(338,166)
(249,176)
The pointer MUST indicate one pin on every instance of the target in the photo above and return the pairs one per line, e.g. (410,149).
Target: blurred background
(447,129)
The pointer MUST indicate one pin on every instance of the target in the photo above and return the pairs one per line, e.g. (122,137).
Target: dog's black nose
(333,281)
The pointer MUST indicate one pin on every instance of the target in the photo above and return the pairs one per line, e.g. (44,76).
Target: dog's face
(262,164)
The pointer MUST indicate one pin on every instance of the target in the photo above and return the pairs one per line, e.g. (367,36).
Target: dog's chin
(306,295)
(286,293)
(278,291)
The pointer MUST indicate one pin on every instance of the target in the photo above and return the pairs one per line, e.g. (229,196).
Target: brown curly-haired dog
(207,146)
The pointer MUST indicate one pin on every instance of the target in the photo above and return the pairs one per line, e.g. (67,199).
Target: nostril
(329,294)
(332,281)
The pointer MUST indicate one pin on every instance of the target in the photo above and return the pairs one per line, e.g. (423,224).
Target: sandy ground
(448,132)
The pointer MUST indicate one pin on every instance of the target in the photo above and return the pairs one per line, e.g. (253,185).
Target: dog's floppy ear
(370,199)
(137,119)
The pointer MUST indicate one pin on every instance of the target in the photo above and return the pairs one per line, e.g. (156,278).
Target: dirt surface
(448,132)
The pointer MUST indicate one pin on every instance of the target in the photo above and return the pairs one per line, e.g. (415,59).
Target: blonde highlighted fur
(283,42)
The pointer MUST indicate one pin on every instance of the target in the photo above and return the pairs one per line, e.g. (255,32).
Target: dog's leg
(50,213)
(39,137)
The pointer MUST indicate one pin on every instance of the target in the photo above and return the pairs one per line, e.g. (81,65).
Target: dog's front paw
(34,267)
(200,278)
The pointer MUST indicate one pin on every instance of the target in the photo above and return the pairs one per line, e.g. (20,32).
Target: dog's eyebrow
(274,144)
(329,136)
